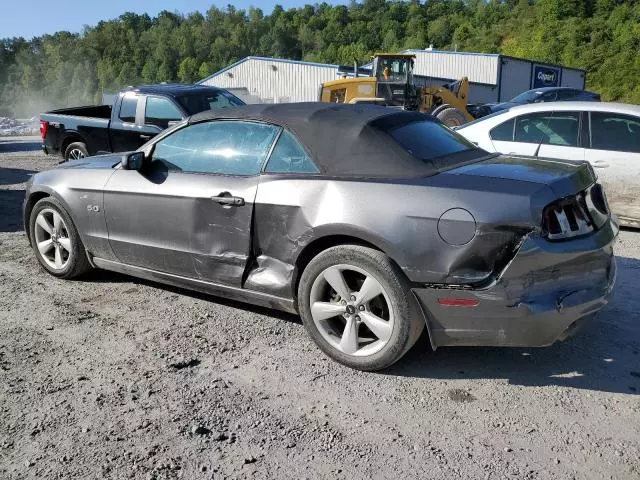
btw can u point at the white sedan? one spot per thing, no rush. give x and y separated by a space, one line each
607 135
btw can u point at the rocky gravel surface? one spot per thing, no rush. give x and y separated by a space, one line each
114 377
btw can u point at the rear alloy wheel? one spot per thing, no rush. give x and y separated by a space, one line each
358 307
76 151
55 240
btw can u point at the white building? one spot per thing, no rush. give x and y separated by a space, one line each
274 80
493 77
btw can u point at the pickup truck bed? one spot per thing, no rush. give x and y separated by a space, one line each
95 111
137 115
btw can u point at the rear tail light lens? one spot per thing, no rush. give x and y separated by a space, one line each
44 127
575 215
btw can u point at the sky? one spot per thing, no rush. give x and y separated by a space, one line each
19 18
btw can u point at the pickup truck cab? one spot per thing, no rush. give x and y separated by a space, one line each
137 115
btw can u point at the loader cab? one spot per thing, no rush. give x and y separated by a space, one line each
388 82
394 80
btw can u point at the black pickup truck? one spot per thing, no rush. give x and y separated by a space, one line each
137 114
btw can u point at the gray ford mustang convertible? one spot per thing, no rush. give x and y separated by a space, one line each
371 223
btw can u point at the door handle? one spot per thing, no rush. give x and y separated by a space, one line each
601 164
225 198
145 137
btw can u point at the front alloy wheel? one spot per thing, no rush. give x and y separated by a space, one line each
56 241
52 239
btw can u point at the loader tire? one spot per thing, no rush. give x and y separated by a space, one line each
452 117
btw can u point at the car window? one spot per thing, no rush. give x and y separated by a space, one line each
615 132
288 156
526 97
547 97
128 109
222 147
391 70
160 111
201 102
429 139
548 128
503 132
567 94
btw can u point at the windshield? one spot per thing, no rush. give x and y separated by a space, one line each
392 70
427 140
526 97
214 100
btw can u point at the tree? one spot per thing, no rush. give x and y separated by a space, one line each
602 36
188 70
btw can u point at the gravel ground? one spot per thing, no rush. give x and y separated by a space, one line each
113 377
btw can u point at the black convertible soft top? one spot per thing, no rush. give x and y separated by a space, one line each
344 139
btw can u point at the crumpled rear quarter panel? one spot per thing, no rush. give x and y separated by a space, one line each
400 218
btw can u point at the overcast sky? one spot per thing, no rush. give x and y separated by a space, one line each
35 17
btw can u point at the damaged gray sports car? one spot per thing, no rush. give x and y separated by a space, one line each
372 223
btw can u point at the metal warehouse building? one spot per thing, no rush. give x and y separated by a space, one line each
493 77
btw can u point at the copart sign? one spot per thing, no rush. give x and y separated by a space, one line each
545 76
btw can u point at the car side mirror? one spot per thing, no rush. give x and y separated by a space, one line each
132 161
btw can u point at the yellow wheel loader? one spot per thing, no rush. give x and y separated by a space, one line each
391 84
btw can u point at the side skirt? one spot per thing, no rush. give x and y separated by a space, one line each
233 293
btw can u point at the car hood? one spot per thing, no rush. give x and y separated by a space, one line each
563 177
98 161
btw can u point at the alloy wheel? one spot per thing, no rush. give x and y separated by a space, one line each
76 154
52 239
351 310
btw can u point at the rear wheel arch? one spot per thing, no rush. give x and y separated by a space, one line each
317 246
69 138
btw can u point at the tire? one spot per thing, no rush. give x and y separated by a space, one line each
452 117
393 314
76 151
63 239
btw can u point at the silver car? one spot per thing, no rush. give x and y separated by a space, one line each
373 224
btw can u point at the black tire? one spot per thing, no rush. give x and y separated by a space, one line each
75 151
452 117
408 321
78 263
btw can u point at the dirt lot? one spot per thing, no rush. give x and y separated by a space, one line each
113 377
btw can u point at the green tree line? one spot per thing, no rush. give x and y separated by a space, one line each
601 36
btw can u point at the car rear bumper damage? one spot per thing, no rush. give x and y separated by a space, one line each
541 296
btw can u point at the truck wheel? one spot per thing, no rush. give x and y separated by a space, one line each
76 151
452 117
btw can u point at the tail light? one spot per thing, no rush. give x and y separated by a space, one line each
44 127
576 215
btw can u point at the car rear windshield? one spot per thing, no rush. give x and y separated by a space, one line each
201 102
428 140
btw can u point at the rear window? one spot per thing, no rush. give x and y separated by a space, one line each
202 102
427 140
128 109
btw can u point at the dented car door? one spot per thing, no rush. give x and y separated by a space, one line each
193 205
